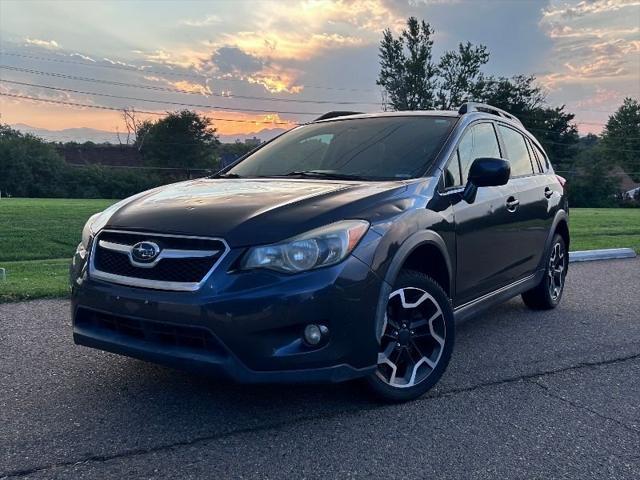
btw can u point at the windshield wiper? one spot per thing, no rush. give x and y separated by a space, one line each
322 174
226 175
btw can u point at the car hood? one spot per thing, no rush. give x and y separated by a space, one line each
251 211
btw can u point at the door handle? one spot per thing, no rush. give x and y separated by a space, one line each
548 192
512 204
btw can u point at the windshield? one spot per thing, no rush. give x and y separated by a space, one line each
368 148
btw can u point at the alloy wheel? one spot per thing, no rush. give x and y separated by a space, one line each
413 338
556 271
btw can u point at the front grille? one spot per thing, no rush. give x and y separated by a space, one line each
159 333
186 270
167 270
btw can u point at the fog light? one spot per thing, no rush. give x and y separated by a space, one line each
313 333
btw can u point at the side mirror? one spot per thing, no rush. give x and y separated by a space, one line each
485 172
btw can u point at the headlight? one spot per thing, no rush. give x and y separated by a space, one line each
88 231
317 248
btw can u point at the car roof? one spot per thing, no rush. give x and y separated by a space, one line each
398 113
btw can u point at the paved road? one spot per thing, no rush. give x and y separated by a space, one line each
527 395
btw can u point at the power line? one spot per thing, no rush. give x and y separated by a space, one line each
129 68
115 109
202 77
191 92
143 69
542 130
174 90
167 102
179 90
77 104
603 147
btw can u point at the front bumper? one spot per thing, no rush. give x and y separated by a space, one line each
246 326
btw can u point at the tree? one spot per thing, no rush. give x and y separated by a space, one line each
523 97
590 181
411 81
136 128
459 72
621 137
182 139
29 167
518 95
406 69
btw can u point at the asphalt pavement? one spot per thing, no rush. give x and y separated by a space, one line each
527 395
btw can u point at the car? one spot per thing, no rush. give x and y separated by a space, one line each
346 248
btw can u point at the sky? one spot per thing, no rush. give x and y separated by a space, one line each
256 66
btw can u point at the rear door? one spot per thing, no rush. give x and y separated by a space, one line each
529 219
485 245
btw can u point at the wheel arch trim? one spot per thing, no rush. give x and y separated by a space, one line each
561 216
416 240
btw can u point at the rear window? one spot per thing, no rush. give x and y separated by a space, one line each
516 151
544 160
374 148
535 159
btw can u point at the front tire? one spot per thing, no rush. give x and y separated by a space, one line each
417 339
548 293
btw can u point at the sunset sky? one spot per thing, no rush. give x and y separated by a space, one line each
270 64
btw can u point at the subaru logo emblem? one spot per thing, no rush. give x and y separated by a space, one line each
145 251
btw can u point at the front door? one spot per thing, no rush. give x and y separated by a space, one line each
485 242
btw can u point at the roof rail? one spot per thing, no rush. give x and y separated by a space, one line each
334 114
469 107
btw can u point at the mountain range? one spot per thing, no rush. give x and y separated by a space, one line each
82 135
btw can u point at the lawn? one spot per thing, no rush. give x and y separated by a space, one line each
38 238
593 228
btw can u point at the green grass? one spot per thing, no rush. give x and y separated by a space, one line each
593 228
43 228
38 238
35 279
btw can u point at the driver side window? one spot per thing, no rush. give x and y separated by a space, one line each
478 141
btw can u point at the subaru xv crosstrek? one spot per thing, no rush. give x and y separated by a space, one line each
345 248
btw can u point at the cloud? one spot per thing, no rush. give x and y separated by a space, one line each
183 85
191 87
289 45
118 62
227 122
276 39
84 57
368 15
556 30
234 63
588 7
181 58
232 60
206 21
48 44
603 97
277 79
593 40
36 92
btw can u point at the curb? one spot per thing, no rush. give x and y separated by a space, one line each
603 254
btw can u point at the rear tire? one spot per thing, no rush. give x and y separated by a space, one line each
417 339
548 293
